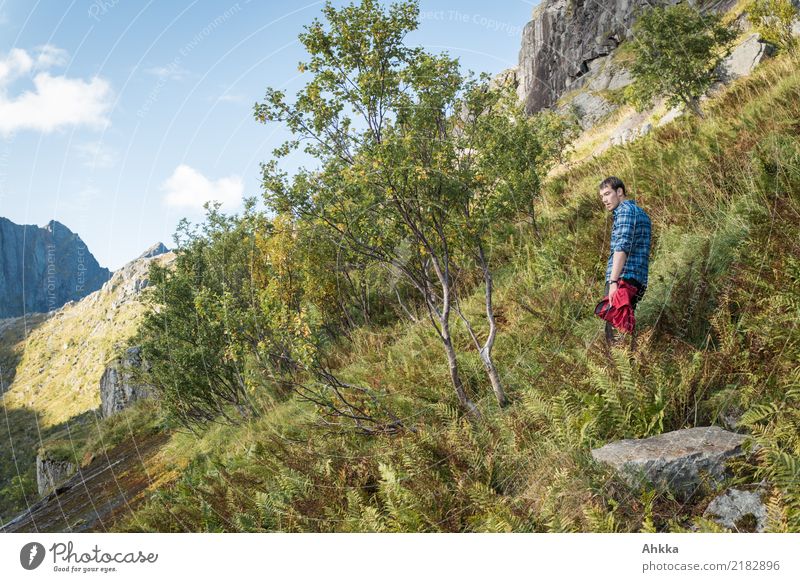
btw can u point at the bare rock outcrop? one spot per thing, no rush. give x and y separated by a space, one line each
154 251
118 386
569 44
744 57
678 461
133 278
50 473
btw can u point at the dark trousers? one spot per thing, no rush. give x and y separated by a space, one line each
612 334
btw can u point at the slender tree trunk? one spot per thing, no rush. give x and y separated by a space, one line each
461 393
536 226
443 274
486 350
494 378
694 105
403 305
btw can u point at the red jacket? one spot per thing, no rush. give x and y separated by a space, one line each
620 311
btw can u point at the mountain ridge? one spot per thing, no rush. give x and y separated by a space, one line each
43 268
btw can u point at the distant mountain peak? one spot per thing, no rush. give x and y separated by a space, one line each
53 224
42 268
155 250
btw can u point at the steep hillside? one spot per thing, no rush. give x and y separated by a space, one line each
51 370
718 347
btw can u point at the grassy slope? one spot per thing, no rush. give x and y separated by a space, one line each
724 197
54 397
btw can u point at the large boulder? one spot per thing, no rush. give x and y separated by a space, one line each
678 461
118 386
50 473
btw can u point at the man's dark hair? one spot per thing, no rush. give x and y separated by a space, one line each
614 182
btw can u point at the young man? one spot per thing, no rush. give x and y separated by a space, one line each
630 246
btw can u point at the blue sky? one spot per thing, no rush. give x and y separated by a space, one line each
118 118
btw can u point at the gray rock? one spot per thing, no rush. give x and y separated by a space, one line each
744 58
505 77
620 77
133 278
630 127
51 473
591 108
610 76
676 460
566 41
730 419
118 388
670 115
41 269
739 510
154 251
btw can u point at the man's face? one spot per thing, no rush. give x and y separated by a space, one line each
611 198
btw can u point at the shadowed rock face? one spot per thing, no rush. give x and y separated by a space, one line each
50 473
41 269
118 390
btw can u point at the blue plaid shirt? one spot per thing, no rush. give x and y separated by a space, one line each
631 233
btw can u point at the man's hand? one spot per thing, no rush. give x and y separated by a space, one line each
612 290
617 268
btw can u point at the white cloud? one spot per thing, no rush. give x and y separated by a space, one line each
188 188
95 154
17 63
171 72
51 56
54 101
231 98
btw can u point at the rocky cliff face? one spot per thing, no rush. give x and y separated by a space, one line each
41 269
569 42
118 387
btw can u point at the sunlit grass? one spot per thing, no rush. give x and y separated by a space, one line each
719 345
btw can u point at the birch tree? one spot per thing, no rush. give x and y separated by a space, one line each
417 164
